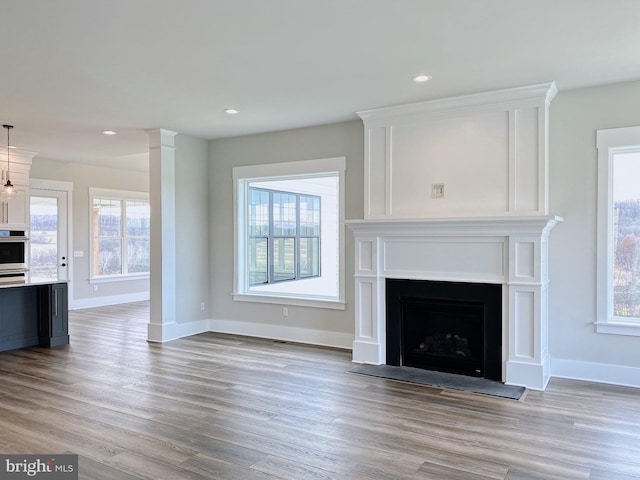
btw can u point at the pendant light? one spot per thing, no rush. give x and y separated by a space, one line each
8 188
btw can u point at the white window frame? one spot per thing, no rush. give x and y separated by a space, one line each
123 196
610 142
242 177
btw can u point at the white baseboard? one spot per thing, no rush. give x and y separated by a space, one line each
107 300
368 352
596 372
534 376
172 331
281 332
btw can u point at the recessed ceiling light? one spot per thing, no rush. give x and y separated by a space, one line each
231 111
109 132
421 78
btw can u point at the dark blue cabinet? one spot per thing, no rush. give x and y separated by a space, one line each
18 317
33 314
53 326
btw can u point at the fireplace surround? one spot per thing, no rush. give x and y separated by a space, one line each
508 251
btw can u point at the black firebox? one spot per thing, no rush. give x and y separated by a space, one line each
446 326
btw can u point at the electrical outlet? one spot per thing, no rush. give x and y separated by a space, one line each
202 306
285 312
95 288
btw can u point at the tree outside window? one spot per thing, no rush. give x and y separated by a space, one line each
626 235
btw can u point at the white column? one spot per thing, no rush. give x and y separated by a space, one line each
369 345
162 196
528 363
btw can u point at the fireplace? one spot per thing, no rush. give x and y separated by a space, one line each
508 254
452 327
457 190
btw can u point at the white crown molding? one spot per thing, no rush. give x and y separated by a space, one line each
539 94
17 156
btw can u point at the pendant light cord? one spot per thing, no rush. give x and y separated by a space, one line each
8 127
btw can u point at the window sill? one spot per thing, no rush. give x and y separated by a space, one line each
290 300
630 329
119 278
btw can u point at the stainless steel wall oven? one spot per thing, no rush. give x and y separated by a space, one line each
13 255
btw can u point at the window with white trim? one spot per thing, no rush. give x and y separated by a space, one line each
618 247
289 239
120 234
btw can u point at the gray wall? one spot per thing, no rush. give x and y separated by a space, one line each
343 139
205 216
575 117
192 232
83 177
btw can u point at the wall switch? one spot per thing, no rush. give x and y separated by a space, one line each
202 306
437 190
285 312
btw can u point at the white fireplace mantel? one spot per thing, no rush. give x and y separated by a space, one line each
508 250
496 225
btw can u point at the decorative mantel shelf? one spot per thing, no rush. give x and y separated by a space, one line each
493 225
507 250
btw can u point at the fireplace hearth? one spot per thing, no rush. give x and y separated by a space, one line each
451 327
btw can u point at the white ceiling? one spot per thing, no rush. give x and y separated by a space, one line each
71 68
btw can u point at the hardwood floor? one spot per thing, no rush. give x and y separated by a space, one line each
225 407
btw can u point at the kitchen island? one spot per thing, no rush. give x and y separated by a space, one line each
33 313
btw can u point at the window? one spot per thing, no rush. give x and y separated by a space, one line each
288 236
619 231
284 236
120 230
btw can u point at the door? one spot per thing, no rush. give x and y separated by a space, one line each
48 243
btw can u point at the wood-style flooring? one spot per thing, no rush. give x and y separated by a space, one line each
226 407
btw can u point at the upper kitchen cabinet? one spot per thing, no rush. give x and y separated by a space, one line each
14 209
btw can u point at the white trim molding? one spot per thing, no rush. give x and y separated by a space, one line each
104 301
610 142
283 333
242 177
280 299
174 330
67 187
487 153
596 372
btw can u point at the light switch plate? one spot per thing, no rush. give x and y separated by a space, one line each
437 190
